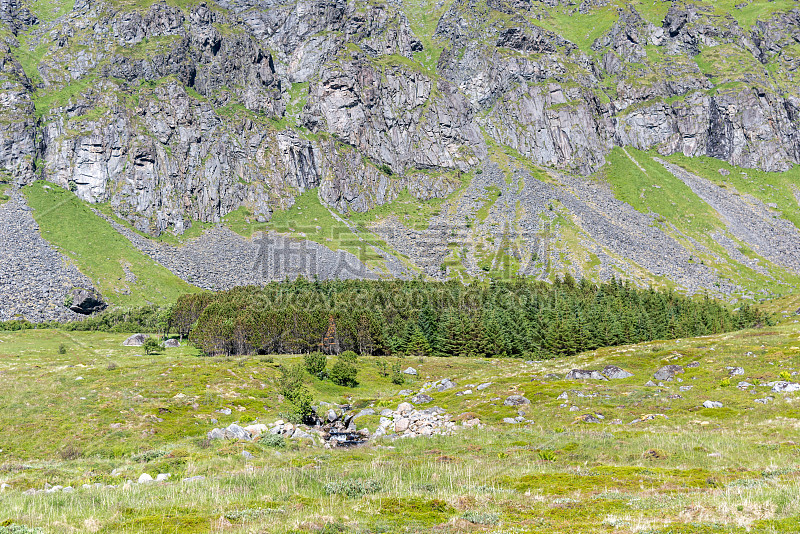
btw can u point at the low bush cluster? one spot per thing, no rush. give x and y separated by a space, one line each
352 488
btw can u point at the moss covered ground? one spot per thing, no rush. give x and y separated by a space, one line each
104 413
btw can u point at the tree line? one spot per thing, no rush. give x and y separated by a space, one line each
517 318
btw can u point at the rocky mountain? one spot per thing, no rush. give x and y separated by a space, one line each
653 140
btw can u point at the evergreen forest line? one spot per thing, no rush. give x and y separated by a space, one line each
519 318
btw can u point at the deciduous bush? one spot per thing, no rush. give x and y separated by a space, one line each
316 363
344 373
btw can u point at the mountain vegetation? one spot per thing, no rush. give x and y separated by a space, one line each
523 319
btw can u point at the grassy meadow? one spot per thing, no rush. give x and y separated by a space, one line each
658 462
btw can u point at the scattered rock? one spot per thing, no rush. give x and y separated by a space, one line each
516 400
588 418
785 387
256 429
667 372
163 477
404 408
233 431
692 365
712 404
483 386
613 372
410 371
422 398
247 455
224 411
733 371
765 400
583 374
401 425
650 384
510 420
445 385
406 392
144 478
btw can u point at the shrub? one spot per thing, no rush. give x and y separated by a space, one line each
151 346
382 368
70 452
111 366
292 388
785 376
62 349
352 488
276 441
315 363
148 456
397 374
349 356
344 374
481 518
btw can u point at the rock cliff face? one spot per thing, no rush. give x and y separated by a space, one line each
174 113
177 112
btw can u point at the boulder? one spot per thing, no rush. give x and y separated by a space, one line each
404 408
785 387
712 404
584 374
234 431
483 386
162 477
144 478
733 371
171 344
667 372
612 372
410 371
301 434
256 430
136 340
421 399
516 400
445 384
85 301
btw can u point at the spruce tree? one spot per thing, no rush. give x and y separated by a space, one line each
418 344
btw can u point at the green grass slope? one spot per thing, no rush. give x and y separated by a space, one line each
103 413
124 275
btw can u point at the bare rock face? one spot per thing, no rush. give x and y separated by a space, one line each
177 114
